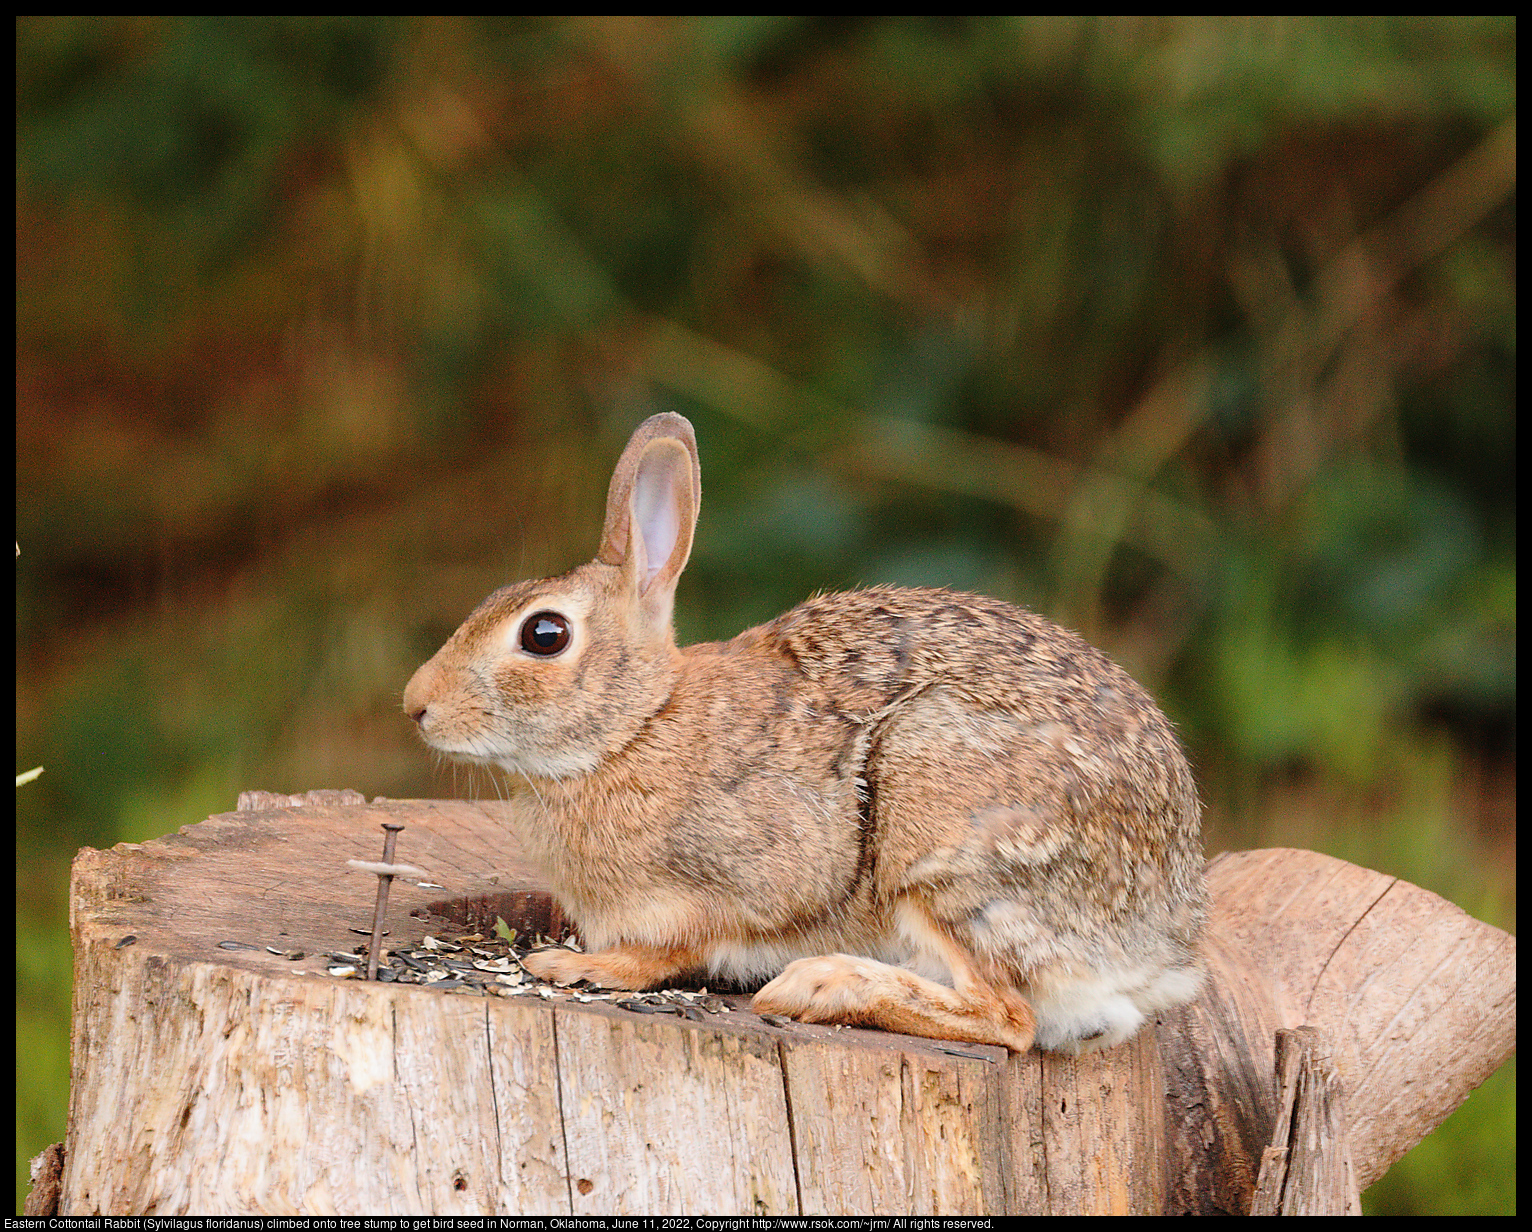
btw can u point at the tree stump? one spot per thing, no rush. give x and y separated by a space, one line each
215 1075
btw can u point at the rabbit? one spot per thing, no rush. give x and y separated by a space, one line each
912 809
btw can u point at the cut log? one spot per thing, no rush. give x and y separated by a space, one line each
212 1078
1417 997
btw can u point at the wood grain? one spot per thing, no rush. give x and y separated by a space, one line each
213 1080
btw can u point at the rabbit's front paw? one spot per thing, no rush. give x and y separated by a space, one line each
622 966
561 966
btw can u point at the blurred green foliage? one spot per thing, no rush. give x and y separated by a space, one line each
1197 334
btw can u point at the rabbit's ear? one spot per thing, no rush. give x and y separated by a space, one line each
651 509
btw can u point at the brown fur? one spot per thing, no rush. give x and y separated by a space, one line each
941 779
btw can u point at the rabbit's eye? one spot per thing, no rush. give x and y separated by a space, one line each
544 633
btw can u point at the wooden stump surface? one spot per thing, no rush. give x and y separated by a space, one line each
209 1079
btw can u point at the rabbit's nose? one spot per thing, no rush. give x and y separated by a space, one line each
417 694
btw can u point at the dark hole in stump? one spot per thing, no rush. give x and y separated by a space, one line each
532 913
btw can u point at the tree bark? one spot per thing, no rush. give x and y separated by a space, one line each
1307 1169
209 1079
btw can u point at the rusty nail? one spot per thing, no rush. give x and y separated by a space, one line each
391 829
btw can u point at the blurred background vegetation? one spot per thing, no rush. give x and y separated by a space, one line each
1195 334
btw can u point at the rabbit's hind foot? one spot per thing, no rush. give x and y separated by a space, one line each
843 988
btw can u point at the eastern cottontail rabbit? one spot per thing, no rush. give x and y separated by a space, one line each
919 810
